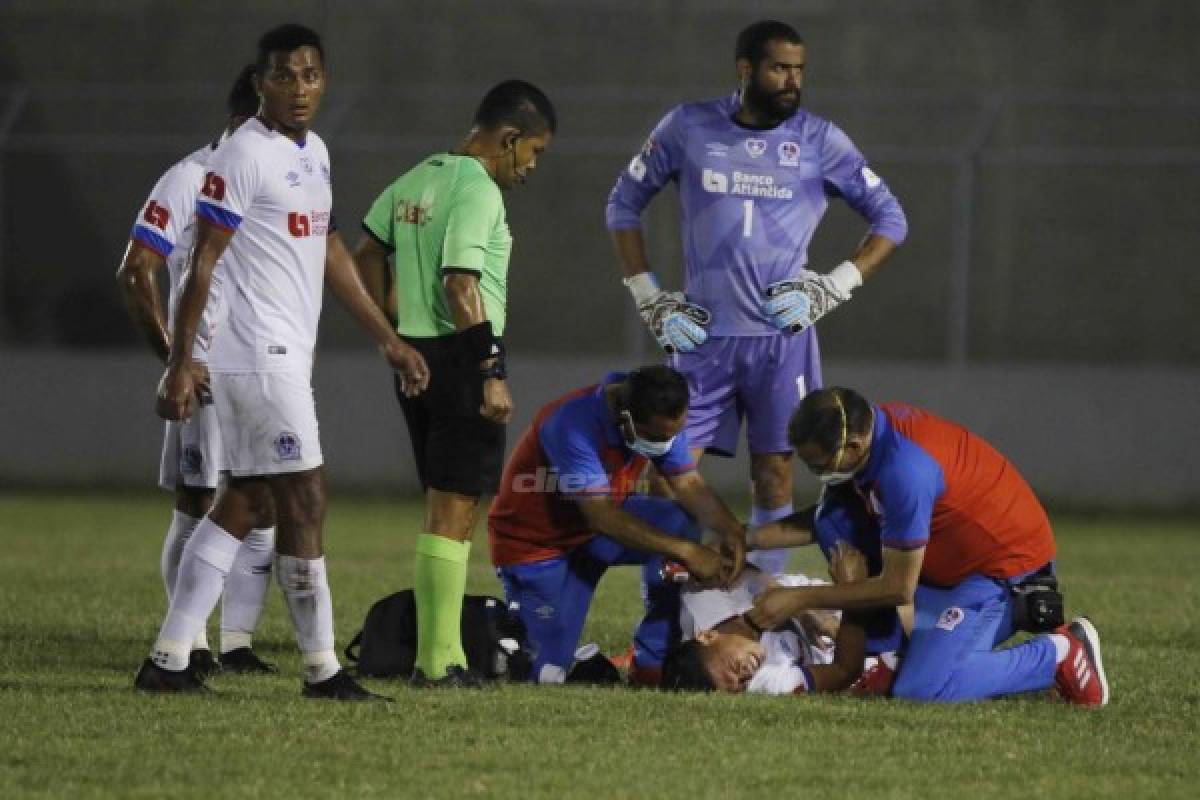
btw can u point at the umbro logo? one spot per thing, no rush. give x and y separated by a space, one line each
756 147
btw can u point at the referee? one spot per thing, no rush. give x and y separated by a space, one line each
443 223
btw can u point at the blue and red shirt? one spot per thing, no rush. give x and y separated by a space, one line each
572 449
932 483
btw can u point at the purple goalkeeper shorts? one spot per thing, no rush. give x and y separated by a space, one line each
760 378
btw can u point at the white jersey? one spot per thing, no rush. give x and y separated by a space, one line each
276 196
787 649
167 226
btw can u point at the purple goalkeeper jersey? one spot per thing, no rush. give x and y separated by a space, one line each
751 200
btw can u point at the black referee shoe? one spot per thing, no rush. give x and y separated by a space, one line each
341 687
456 677
244 661
202 664
153 678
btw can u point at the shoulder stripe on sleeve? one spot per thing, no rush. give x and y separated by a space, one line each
461 271
218 216
385 245
151 240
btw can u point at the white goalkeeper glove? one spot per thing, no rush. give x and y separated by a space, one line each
795 305
676 324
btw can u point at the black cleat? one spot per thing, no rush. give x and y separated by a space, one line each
342 687
153 678
456 677
202 664
243 660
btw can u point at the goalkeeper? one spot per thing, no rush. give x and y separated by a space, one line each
754 172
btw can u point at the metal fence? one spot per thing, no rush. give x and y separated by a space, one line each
1045 225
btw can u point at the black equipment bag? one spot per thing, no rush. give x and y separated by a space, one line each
493 638
1037 603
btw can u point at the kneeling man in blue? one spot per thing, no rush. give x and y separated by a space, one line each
949 525
566 512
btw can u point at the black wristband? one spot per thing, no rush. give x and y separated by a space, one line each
497 369
479 343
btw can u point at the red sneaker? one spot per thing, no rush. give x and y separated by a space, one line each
874 682
1080 677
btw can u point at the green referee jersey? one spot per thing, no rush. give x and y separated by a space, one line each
444 213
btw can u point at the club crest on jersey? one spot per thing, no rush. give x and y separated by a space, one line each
306 164
293 178
287 447
756 147
949 619
191 460
789 154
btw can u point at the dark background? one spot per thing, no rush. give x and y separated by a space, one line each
1047 154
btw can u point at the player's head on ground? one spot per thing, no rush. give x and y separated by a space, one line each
712 661
770 59
242 102
831 433
290 77
651 406
513 125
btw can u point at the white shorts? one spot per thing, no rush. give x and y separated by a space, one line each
268 423
191 453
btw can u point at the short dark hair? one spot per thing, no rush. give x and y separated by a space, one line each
752 41
285 39
517 103
683 669
243 99
827 416
654 391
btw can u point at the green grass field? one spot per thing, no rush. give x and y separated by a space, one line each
80 602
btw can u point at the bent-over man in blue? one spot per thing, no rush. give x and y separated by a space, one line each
755 173
949 525
565 513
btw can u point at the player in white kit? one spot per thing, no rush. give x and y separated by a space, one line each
161 238
724 650
266 210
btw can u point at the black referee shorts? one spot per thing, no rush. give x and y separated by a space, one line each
456 449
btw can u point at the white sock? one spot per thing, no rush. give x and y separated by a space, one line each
772 562
1061 647
306 590
890 660
178 533
246 589
206 561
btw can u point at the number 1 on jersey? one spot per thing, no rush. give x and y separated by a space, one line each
747 218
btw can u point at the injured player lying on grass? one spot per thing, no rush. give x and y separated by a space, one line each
817 651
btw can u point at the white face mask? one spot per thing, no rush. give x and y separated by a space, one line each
641 446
